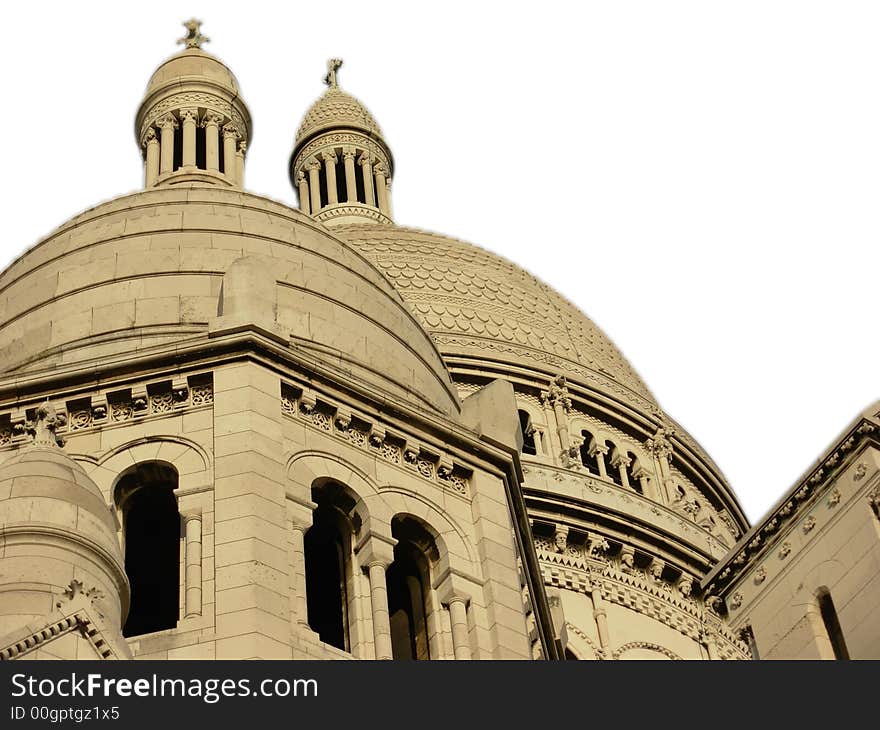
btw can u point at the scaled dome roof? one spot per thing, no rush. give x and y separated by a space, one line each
336 108
472 301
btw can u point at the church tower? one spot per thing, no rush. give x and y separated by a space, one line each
264 453
341 166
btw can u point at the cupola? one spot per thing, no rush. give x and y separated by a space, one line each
193 125
341 166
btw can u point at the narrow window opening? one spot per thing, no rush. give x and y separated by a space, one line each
528 432
151 524
341 195
832 625
326 598
614 471
201 150
632 470
322 184
590 461
221 157
408 581
359 183
178 148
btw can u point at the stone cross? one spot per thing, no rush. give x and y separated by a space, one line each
193 37
332 67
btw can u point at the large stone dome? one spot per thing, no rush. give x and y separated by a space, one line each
335 108
193 64
145 271
474 302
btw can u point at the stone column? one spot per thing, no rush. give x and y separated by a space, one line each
211 124
313 166
388 210
351 193
601 616
458 618
189 118
621 462
598 452
303 187
167 125
381 189
151 169
239 163
366 164
379 600
230 139
298 573
329 158
193 563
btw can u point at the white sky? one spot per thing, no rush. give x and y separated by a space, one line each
701 178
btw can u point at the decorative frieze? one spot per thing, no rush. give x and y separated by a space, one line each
112 407
372 436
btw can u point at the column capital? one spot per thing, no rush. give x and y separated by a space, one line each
194 513
311 164
365 158
328 156
230 129
242 146
151 136
189 114
212 118
348 154
380 169
373 549
300 177
169 120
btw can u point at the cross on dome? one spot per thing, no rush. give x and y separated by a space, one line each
332 67
193 37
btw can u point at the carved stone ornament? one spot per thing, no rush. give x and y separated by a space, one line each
760 575
193 37
46 422
784 551
557 392
834 498
736 601
627 558
860 472
809 523
685 585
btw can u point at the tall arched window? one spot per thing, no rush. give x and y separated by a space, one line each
633 472
528 433
151 528
327 546
589 458
832 624
409 582
613 468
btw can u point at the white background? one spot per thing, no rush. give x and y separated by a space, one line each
701 178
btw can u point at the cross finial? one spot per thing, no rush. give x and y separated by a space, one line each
332 67
193 37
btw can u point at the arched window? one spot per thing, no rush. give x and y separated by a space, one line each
327 546
151 528
832 624
528 433
613 468
633 472
589 458
409 582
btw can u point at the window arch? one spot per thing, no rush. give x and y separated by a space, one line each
589 456
152 534
409 589
614 471
634 471
528 432
327 546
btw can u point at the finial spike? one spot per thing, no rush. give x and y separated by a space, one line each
193 37
332 67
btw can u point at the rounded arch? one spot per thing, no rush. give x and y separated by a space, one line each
189 459
645 647
448 534
308 469
581 645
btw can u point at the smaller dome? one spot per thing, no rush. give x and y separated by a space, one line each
336 109
190 65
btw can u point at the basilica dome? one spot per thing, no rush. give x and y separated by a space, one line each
193 64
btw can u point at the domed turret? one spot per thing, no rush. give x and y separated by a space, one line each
56 529
341 166
193 102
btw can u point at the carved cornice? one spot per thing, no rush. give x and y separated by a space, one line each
351 209
764 535
369 434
